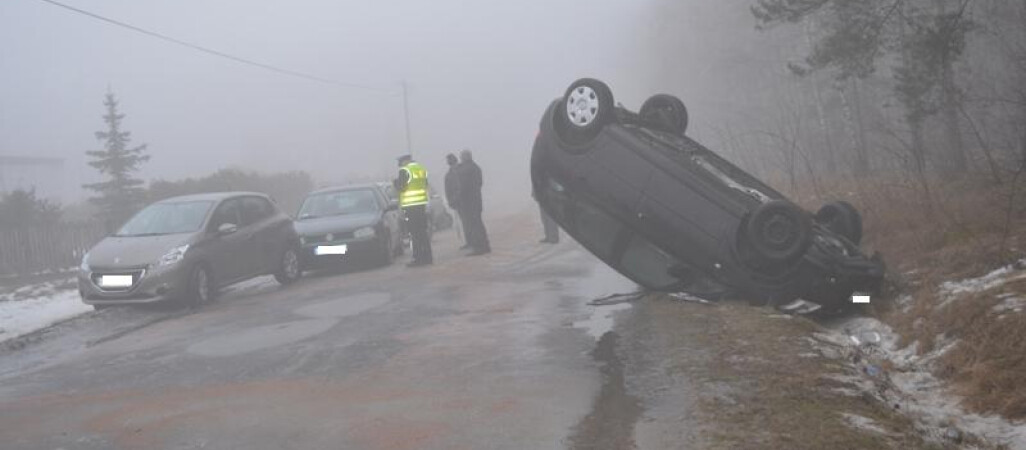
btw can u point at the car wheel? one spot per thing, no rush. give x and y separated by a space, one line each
778 232
289 270
201 287
841 218
587 107
100 307
665 112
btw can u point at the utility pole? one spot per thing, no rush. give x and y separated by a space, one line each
406 115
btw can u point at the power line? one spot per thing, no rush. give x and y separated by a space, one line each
217 53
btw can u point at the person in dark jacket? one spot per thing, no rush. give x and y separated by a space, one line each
470 182
452 195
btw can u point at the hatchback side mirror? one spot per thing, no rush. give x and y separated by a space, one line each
392 206
227 228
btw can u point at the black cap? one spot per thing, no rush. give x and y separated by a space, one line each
404 157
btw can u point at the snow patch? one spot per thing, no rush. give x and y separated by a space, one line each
863 423
20 317
951 290
601 319
871 345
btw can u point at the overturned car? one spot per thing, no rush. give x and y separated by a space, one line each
672 215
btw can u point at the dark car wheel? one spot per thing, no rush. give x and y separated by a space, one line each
200 290
778 232
587 107
289 269
665 112
841 218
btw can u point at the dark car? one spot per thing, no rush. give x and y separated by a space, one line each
671 214
185 248
350 224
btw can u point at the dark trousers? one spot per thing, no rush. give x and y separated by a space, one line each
474 230
417 224
551 228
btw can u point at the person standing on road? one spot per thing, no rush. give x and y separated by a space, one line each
470 182
412 185
452 195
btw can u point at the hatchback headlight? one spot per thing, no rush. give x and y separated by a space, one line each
364 232
174 255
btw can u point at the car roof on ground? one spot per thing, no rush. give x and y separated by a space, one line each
210 196
348 187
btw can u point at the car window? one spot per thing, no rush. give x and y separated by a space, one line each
228 212
336 203
167 218
649 265
255 209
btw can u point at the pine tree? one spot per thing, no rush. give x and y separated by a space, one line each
120 195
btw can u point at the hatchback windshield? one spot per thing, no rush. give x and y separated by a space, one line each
335 203
167 218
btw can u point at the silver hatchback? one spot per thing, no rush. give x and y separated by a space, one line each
186 248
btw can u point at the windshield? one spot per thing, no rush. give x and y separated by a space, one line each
337 203
167 218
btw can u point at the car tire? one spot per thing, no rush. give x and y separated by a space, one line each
100 307
778 232
587 106
666 113
841 218
201 288
289 267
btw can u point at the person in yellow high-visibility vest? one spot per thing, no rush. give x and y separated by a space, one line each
412 185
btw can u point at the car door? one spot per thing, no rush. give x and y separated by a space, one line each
227 251
616 174
264 227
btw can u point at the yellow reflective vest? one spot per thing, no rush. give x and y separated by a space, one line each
416 192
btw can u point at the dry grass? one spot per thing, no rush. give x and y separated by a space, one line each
951 230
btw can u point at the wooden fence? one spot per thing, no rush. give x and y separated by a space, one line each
52 247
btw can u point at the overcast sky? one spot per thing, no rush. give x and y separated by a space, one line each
479 75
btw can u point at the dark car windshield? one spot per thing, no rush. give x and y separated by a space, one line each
167 218
335 203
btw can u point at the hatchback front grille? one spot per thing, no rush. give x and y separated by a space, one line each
322 238
98 274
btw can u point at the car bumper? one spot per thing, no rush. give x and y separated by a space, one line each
153 285
357 250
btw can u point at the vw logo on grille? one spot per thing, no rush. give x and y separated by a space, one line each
329 237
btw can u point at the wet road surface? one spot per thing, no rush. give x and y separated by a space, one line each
500 351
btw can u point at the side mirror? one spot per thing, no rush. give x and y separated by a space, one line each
392 206
227 228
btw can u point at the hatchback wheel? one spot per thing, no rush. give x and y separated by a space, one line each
841 218
778 232
201 287
587 107
289 270
665 112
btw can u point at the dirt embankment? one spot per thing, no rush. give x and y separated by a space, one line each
730 376
954 250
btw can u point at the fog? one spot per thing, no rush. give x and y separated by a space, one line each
478 74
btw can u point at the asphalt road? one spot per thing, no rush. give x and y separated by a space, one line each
495 352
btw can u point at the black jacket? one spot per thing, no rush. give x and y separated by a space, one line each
452 187
470 180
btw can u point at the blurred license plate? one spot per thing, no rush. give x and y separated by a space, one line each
330 250
115 281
